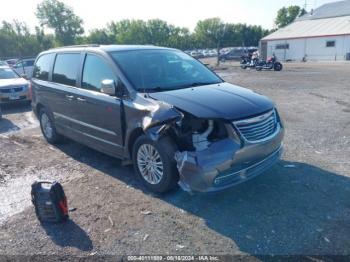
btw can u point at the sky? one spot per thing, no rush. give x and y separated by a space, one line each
184 13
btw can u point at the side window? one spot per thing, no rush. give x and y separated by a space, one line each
28 63
66 69
43 66
18 65
282 46
330 44
95 71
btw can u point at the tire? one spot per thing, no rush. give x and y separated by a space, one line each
45 118
277 66
166 150
258 68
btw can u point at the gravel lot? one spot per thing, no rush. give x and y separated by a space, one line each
301 206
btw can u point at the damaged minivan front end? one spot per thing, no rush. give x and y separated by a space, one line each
228 161
215 154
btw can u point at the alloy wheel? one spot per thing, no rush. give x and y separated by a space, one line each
46 125
150 164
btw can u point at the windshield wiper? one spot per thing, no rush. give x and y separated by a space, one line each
159 88
154 89
194 84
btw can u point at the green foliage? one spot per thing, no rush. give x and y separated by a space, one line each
99 36
61 18
45 41
17 40
214 33
151 32
210 32
243 35
287 15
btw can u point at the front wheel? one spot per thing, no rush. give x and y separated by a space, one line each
48 128
277 66
154 163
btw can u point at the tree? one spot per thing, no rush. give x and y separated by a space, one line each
129 32
61 18
151 32
99 36
181 38
211 33
287 15
16 40
45 41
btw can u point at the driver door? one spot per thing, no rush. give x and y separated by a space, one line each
98 115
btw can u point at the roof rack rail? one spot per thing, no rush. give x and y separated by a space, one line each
72 46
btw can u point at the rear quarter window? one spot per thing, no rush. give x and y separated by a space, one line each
43 66
66 69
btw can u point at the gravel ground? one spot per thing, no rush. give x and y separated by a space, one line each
300 206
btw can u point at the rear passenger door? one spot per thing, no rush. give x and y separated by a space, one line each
98 115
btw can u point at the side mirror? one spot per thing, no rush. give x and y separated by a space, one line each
24 76
108 87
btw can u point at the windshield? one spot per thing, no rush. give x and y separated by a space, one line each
7 73
159 70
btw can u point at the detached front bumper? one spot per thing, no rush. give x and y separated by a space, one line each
227 162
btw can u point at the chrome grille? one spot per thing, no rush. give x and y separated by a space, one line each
11 90
259 127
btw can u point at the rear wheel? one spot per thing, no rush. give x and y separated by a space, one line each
48 128
154 163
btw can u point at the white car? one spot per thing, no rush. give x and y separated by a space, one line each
13 88
3 63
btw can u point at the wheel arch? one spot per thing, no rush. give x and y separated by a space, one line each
134 135
38 107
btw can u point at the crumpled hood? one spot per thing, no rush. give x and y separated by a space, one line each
13 82
221 101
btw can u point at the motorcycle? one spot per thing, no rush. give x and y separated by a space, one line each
248 62
269 64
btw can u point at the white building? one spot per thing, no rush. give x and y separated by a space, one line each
322 34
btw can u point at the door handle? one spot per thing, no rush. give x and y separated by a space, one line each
69 97
81 99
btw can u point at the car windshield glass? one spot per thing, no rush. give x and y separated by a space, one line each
7 73
161 70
